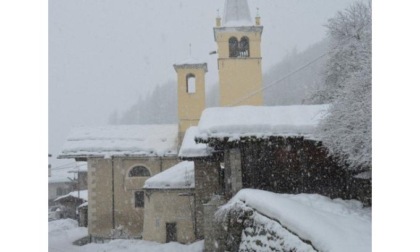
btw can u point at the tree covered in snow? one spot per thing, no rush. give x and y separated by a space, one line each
348 87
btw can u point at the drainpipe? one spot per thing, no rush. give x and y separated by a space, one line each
113 196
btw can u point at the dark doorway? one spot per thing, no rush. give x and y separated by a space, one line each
170 232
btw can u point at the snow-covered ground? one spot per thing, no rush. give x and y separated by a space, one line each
61 234
330 225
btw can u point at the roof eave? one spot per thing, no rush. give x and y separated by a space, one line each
85 157
223 29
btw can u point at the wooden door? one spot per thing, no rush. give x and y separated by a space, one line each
170 232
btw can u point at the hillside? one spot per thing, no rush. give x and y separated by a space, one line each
161 105
297 88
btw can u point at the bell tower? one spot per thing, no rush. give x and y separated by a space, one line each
239 62
191 94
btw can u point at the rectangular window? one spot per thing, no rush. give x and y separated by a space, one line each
139 199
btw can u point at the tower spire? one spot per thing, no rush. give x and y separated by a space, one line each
218 19
239 55
237 13
258 18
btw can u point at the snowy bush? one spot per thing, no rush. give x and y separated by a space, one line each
347 131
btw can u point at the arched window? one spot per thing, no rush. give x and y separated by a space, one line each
233 47
139 171
190 83
244 47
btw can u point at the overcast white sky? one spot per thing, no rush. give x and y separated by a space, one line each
103 54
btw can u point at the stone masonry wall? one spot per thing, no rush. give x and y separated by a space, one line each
206 185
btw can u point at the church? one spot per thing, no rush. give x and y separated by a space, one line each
164 182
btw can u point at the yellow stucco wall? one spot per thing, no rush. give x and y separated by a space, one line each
125 214
190 105
242 76
168 206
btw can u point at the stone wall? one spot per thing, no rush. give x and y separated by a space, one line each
169 206
214 232
207 184
297 165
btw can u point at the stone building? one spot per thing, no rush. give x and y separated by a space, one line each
70 202
57 187
62 184
273 153
169 213
120 159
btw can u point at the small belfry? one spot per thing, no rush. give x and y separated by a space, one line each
191 93
239 48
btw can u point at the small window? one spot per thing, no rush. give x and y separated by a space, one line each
139 199
139 171
190 83
233 47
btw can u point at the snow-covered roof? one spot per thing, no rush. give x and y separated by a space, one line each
260 121
83 194
191 149
330 225
191 63
236 13
121 140
364 175
83 204
178 176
